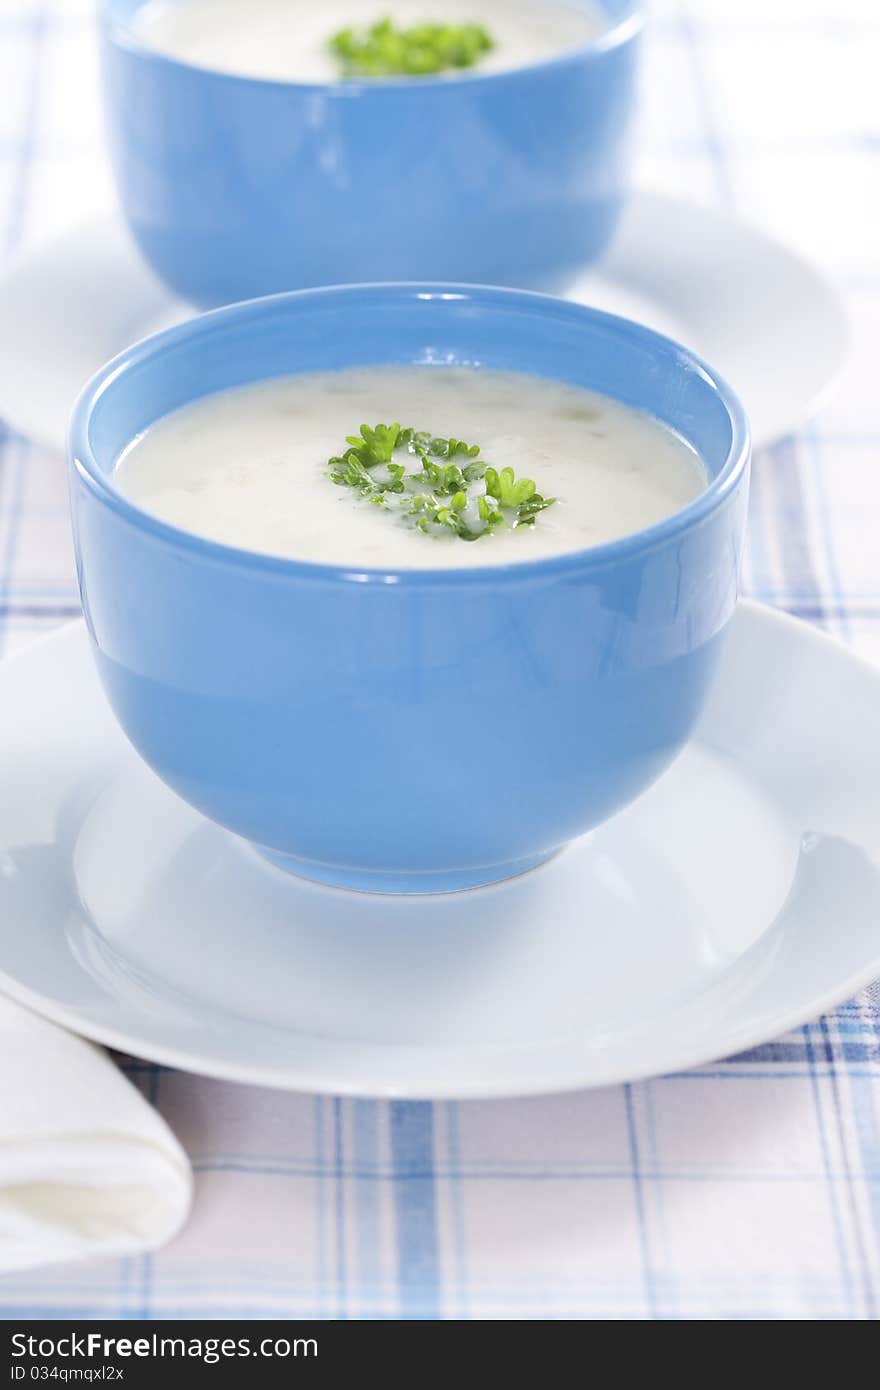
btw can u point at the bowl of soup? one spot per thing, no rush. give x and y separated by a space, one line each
251 155
408 586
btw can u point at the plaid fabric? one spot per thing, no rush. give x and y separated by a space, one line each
749 1189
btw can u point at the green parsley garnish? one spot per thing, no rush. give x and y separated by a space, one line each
385 51
443 487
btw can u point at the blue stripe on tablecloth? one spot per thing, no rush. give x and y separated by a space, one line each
869 1307
319 1174
340 1244
519 1171
830 1184
149 1083
666 1280
459 1271
59 612
868 1136
791 508
415 1208
798 1052
640 1204
498 1170
366 1159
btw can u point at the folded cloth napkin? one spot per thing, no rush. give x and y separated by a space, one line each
87 1167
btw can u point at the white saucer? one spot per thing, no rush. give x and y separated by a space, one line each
738 898
763 317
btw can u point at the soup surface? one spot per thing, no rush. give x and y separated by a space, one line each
249 466
287 40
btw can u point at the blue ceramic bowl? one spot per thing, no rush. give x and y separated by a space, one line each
416 730
235 187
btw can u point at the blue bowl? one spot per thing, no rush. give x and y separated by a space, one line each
235 187
408 731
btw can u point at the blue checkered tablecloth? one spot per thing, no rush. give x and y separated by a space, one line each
749 1189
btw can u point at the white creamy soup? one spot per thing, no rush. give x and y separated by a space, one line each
287 40
250 467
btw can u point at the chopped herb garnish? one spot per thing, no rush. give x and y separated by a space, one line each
443 488
385 51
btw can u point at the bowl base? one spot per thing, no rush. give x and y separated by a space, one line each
387 881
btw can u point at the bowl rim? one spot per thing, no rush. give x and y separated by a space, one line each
98 482
617 33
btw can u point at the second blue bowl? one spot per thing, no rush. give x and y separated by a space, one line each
235 187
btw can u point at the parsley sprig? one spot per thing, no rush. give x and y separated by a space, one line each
383 50
444 488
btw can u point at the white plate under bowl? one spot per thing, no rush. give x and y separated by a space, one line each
739 897
764 318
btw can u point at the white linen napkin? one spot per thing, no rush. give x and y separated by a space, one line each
87 1167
